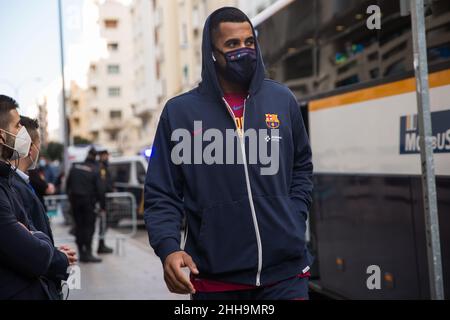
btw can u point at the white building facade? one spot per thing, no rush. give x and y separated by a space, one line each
111 94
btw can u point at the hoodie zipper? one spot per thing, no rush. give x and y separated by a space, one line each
249 189
186 233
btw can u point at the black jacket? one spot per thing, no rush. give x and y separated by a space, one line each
39 184
107 181
84 180
37 215
34 209
24 256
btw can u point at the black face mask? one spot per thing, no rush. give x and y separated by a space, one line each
240 65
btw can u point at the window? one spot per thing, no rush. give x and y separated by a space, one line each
114 91
113 69
396 67
373 56
400 48
113 46
186 73
111 23
120 172
158 70
183 35
115 115
75 106
375 73
347 81
113 135
299 65
439 53
94 90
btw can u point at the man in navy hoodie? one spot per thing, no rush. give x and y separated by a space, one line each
245 235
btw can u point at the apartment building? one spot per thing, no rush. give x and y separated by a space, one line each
111 92
78 114
177 35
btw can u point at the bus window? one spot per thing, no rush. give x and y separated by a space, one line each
439 53
438 33
305 115
140 172
299 65
120 172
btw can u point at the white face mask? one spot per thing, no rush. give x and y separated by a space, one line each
22 144
35 161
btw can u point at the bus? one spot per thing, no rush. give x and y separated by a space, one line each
356 89
128 175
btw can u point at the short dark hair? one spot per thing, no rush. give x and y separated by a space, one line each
226 14
92 152
6 105
32 126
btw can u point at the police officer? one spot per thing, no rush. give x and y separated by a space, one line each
107 187
85 188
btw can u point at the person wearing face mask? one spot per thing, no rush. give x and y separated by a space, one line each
245 234
26 164
85 189
47 170
25 253
37 214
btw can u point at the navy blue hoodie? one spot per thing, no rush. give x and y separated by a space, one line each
242 227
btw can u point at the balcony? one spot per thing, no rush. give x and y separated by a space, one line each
144 110
95 125
114 124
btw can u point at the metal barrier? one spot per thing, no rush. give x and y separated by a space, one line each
119 205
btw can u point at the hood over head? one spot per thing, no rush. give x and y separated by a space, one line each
210 83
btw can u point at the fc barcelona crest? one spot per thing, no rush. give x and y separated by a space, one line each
272 121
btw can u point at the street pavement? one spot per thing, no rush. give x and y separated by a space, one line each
132 273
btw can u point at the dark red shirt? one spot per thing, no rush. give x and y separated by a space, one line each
236 103
207 285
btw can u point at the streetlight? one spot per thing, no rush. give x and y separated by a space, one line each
63 87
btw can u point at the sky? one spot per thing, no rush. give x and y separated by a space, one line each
30 65
29 48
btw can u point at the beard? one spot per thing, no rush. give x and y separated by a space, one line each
7 151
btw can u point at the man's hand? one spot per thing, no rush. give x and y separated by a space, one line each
70 254
50 189
176 280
